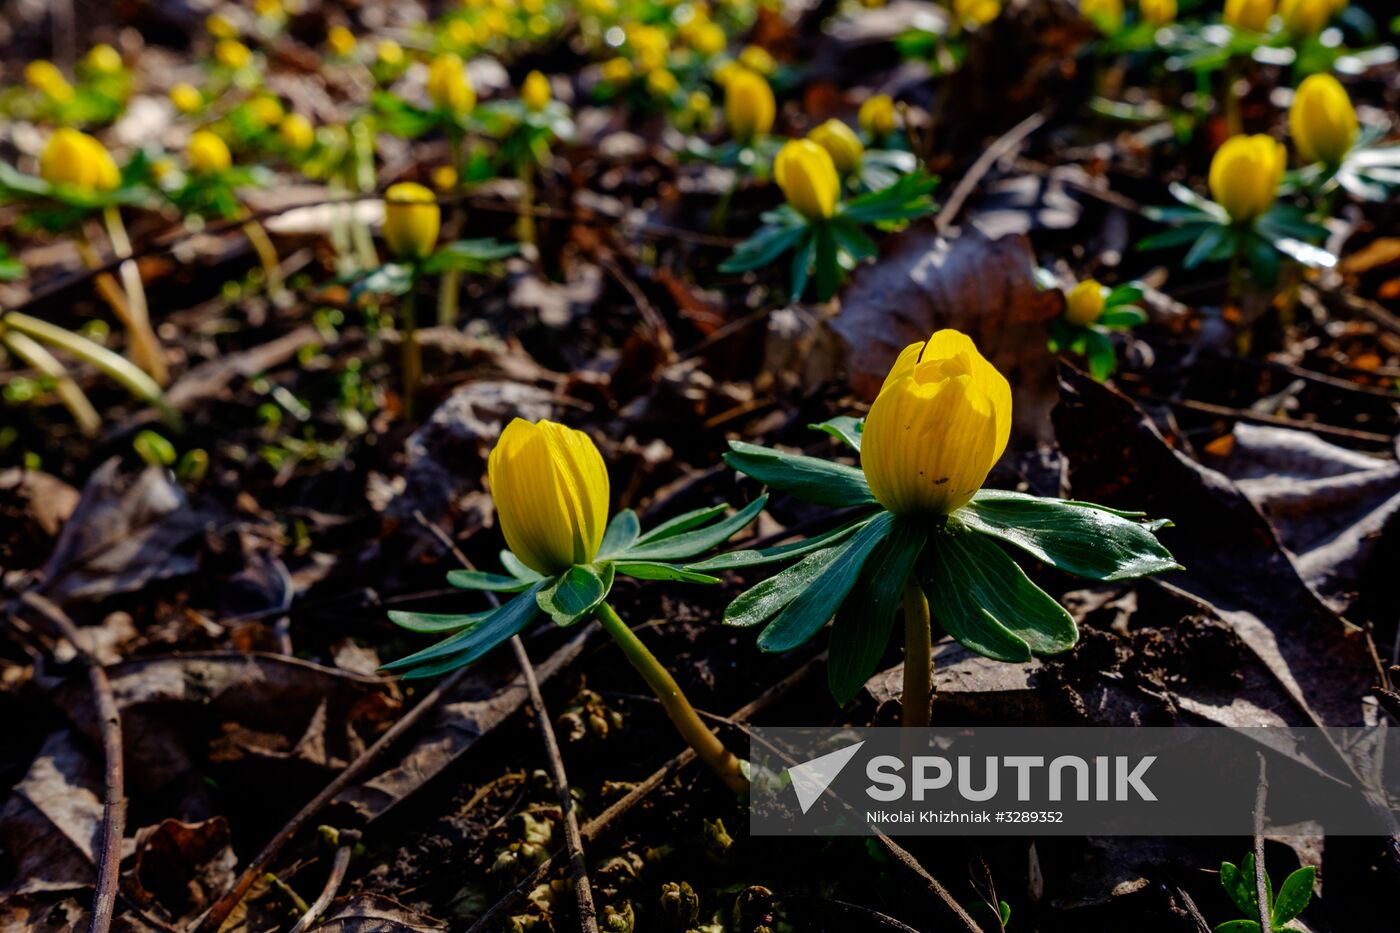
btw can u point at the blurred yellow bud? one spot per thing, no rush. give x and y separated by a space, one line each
389 53
938 426
44 77
1245 175
649 47
296 132
756 58
661 83
448 86
749 107
808 178
341 41
266 110
1322 120
1084 303
1106 15
208 154
186 98
444 178
1157 12
102 59
1249 15
550 487
1305 18
220 26
841 143
877 116
616 70
411 220
269 9
976 12
232 54
535 93
74 158
708 39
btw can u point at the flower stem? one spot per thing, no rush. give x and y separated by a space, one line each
451 285
1234 123
412 354
699 736
267 256
525 223
918 657
145 346
72 397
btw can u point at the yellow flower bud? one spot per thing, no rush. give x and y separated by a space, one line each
841 143
76 159
44 77
208 154
1084 302
1249 15
186 98
661 83
296 132
444 178
1322 120
749 107
976 12
266 110
341 41
1157 12
1245 175
1305 18
550 487
616 70
877 116
411 220
535 92
104 60
756 58
939 424
1106 15
269 9
232 54
698 104
389 53
708 39
808 178
220 27
448 86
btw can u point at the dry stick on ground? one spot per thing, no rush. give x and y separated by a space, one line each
1261 876
993 154
583 891
109 851
339 867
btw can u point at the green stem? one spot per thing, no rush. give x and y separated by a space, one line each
412 353
687 722
1234 286
525 226
1234 123
918 657
451 284
72 397
267 257
145 346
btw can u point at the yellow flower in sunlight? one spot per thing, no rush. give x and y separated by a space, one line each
232 54
102 59
74 158
756 58
661 83
1245 175
616 70
550 487
841 143
708 39
341 41
1157 12
186 98
807 175
1084 302
220 26
411 220
1249 15
444 178
976 12
389 53
649 46
1305 18
296 132
44 77
749 107
1322 120
266 110
208 154
876 116
1106 15
535 92
269 9
449 88
939 424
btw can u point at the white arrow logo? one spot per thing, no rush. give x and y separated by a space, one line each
811 778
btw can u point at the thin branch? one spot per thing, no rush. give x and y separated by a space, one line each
994 153
339 867
1261 876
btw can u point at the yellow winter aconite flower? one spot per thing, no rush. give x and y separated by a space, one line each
103 59
749 107
448 85
340 41
939 424
876 116
232 54
708 39
186 98
841 143
807 175
616 70
296 132
389 53
1106 15
535 92
411 220
550 487
220 26
1245 175
1084 302
1304 18
444 178
976 12
1249 15
756 58
266 110
1157 12
44 77
1322 120
661 83
74 158
208 154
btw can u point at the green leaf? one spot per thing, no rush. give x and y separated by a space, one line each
753 558
434 622
904 200
1263 260
844 428
468 255
984 600
621 534
810 479
576 592
468 645
818 601
1293 896
862 627
853 240
828 269
657 570
1239 888
516 568
1076 538
764 600
1206 244
1098 349
1238 926
763 248
685 522
802 261
1123 295
392 278
1122 317
695 542
1177 236
481 580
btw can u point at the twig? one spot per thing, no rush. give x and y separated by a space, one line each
1261 877
993 154
339 867
109 849
1239 414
